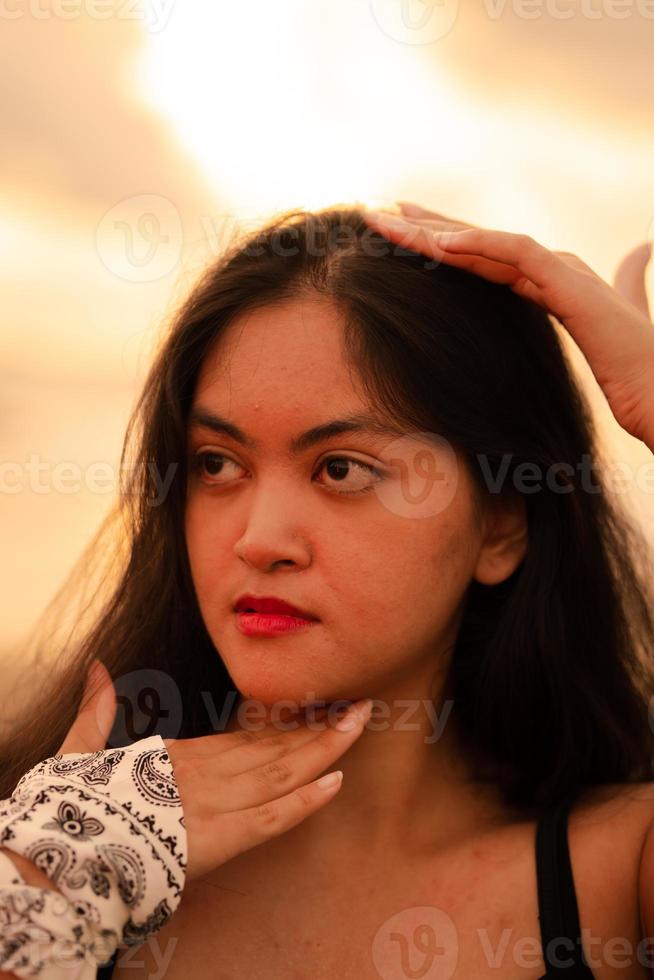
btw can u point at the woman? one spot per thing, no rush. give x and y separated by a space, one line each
493 611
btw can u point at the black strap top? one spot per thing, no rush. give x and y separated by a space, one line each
557 901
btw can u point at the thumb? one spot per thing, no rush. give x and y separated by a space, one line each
90 730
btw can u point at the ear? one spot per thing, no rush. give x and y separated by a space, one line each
504 539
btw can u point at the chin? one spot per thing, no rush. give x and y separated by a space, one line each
286 694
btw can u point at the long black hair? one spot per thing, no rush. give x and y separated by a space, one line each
551 674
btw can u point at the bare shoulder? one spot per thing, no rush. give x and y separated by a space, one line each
630 814
608 825
612 856
615 801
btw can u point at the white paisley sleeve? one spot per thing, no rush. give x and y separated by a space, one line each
107 828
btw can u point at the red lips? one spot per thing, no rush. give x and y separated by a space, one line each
270 604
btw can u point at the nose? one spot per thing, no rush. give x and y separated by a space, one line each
272 537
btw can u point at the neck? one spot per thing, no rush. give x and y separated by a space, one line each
405 787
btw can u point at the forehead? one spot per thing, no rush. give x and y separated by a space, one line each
290 351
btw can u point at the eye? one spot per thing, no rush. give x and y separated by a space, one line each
215 463
342 470
341 467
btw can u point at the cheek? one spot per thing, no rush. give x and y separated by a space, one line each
399 580
205 553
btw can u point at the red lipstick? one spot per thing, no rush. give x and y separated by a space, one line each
270 616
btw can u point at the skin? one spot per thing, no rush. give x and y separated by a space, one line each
386 770
387 579
612 326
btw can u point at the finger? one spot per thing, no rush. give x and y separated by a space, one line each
410 210
420 237
256 731
519 251
235 831
267 820
433 224
270 780
90 730
629 278
410 234
250 754
487 268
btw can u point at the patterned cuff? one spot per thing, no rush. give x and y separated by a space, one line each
42 935
108 829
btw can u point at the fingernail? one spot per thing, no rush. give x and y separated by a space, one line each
364 708
331 779
349 721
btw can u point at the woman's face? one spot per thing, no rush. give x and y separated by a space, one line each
384 570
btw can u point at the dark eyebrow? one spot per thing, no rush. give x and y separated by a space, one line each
361 422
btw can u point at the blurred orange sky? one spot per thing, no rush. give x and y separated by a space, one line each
136 138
